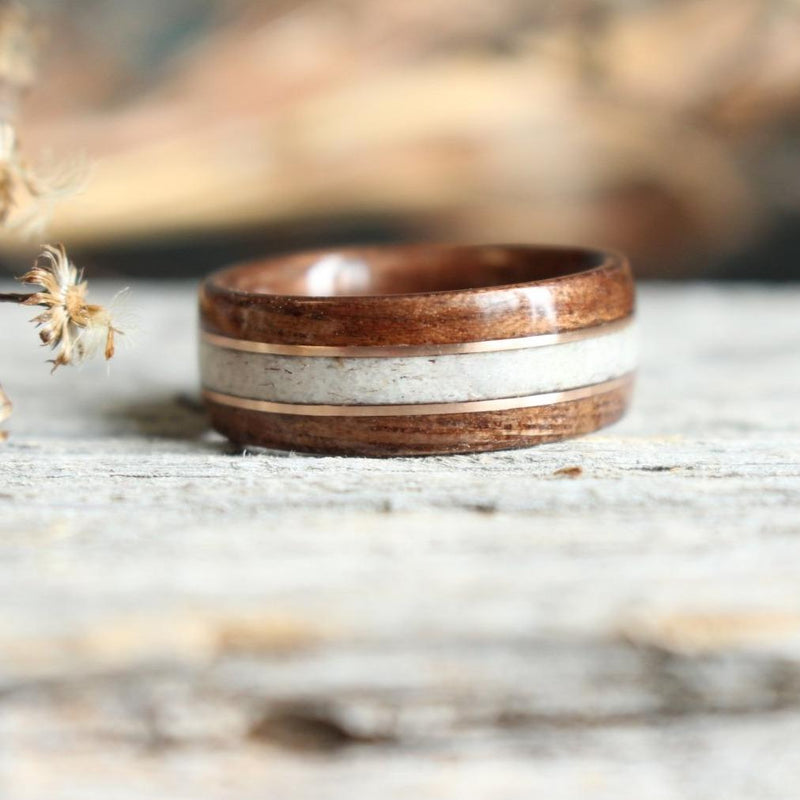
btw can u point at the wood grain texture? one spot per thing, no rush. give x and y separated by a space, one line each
609 617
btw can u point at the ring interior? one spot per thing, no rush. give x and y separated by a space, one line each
358 272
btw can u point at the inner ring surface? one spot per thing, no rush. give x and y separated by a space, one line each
409 270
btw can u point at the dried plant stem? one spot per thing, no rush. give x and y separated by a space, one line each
21 298
14 297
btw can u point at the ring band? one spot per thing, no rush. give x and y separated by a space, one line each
418 350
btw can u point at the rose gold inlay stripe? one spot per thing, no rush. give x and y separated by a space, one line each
365 351
419 409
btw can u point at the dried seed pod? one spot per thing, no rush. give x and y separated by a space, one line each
74 328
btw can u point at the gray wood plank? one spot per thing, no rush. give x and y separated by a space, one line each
181 619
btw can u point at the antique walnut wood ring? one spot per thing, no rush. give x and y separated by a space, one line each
415 350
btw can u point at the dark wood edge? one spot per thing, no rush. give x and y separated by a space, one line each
425 435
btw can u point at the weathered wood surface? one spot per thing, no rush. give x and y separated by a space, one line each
180 620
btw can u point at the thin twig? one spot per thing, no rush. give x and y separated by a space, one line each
14 297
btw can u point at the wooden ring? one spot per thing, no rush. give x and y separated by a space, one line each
415 350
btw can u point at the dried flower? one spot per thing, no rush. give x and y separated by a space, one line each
42 188
5 411
18 45
71 326
46 186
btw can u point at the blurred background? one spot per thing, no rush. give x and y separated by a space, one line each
219 129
